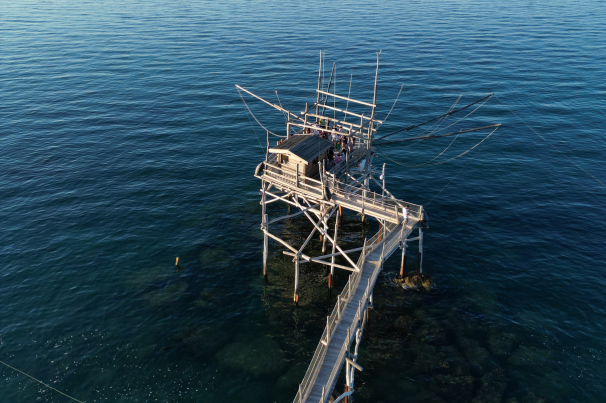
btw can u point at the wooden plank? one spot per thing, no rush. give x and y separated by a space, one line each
346 99
352 114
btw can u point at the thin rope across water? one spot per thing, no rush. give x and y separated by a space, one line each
441 162
552 146
394 104
39 381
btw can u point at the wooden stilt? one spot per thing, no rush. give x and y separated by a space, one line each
334 244
265 229
403 265
420 262
296 296
325 225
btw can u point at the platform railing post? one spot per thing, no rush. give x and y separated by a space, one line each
297 176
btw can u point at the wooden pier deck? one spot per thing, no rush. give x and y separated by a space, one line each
349 317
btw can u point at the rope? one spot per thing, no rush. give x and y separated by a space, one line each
552 146
438 117
453 178
394 104
256 135
441 162
348 94
48 386
280 102
433 129
466 116
462 154
249 111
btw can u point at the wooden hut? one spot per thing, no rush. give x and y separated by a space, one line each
303 150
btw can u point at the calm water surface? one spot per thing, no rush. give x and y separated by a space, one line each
124 144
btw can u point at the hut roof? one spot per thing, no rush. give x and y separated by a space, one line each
304 146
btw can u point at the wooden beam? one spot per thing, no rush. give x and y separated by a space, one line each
269 103
352 114
307 259
275 238
331 240
347 99
290 215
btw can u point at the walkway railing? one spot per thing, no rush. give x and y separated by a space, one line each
363 198
334 318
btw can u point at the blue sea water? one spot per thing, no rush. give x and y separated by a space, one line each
124 143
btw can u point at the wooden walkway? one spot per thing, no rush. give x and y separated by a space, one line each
350 319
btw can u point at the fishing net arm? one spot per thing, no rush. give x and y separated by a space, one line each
452 112
269 103
432 136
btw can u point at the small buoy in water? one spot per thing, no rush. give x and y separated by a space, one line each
177 267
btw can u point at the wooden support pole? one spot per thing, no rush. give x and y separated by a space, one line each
296 296
420 262
325 225
383 179
265 230
403 264
267 150
319 84
334 244
326 235
297 177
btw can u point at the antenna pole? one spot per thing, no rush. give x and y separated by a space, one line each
319 83
328 89
267 150
370 123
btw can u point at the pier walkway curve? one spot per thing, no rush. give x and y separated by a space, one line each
348 318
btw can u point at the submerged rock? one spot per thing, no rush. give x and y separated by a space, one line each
453 388
431 333
206 298
215 257
166 295
532 398
491 388
261 355
529 356
203 339
501 344
411 280
292 377
472 350
425 397
149 275
404 323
